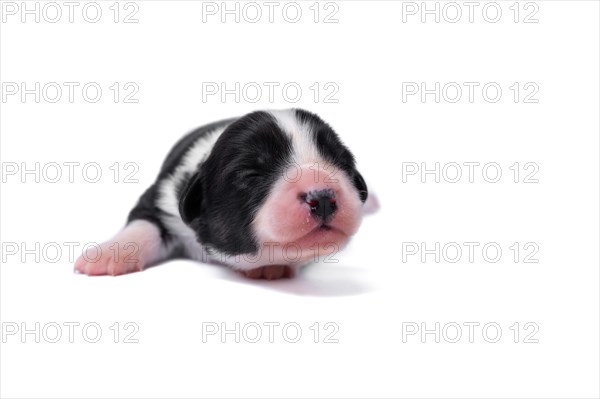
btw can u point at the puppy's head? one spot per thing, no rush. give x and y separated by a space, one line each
278 179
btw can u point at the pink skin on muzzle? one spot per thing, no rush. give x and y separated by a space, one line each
286 219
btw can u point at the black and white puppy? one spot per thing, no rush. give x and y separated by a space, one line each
265 194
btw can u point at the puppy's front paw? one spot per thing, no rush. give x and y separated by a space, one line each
138 245
269 272
113 258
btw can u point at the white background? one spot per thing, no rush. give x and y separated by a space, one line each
371 293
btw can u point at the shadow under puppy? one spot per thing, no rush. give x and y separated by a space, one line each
265 194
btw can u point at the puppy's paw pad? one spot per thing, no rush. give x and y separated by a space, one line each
269 272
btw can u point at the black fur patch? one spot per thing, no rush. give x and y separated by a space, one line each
146 208
221 200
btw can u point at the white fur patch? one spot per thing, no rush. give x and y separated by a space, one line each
305 150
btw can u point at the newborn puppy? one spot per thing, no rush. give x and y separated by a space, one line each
265 194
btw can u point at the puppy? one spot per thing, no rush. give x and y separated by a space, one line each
265 194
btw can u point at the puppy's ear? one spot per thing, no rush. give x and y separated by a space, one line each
361 186
190 201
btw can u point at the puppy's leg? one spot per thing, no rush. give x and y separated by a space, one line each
139 245
134 248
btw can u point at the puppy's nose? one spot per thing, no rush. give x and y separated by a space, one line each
322 203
